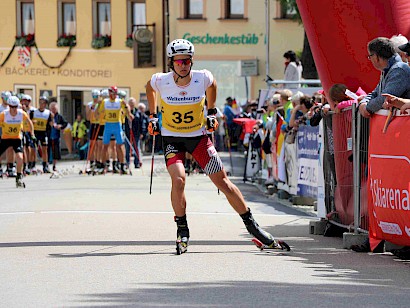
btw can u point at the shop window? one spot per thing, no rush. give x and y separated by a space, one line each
102 18
137 14
67 18
284 11
25 18
234 9
101 24
193 9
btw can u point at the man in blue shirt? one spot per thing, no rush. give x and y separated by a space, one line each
59 123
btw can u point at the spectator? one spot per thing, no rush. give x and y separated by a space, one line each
299 111
142 109
59 124
406 49
139 129
394 101
284 101
337 94
394 79
231 112
399 40
293 69
79 132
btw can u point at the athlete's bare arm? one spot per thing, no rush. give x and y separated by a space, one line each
211 95
151 97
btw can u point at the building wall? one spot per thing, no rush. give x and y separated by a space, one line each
284 35
86 68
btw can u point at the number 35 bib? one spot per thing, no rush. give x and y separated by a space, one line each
183 118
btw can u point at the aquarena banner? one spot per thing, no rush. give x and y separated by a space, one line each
308 159
389 179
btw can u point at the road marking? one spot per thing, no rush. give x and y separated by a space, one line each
141 213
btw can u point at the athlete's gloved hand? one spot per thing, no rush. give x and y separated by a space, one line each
211 121
153 125
33 138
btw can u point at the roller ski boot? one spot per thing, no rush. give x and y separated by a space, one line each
182 234
27 170
11 171
262 239
1 172
115 167
19 181
100 168
45 168
123 170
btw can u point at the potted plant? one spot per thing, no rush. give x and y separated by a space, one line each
66 40
25 40
101 41
128 41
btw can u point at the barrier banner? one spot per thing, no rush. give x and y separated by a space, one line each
252 161
308 157
389 180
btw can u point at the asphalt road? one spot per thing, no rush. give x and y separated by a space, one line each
84 241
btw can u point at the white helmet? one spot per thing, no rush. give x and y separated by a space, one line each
95 92
26 97
180 47
122 94
13 101
104 93
5 95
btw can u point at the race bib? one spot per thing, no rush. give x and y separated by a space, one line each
11 131
40 124
183 118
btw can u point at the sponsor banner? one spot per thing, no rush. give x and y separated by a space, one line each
389 180
252 162
308 160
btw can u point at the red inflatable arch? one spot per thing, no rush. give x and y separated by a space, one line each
339 30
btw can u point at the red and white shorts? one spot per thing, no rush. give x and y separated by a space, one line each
201 148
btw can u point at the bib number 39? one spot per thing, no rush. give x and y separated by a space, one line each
186 117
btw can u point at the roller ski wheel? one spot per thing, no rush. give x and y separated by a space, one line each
181 246
280 245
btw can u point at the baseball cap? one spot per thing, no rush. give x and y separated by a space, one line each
405 48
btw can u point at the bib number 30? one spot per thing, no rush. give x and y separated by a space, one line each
186 117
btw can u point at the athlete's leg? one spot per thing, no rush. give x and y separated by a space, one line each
178 177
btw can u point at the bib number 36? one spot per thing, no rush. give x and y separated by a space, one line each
186 117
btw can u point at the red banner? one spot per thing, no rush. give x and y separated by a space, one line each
389 180
344 33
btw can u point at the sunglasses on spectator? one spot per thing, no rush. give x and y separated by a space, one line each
370 56
181 62
13 106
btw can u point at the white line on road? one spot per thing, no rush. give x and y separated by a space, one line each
141 213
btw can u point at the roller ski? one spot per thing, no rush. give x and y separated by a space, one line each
281 245
19 181
262 239
182 235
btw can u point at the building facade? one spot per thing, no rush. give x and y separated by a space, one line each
65 48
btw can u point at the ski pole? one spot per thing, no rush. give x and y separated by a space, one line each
91 147
152 163
228 144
